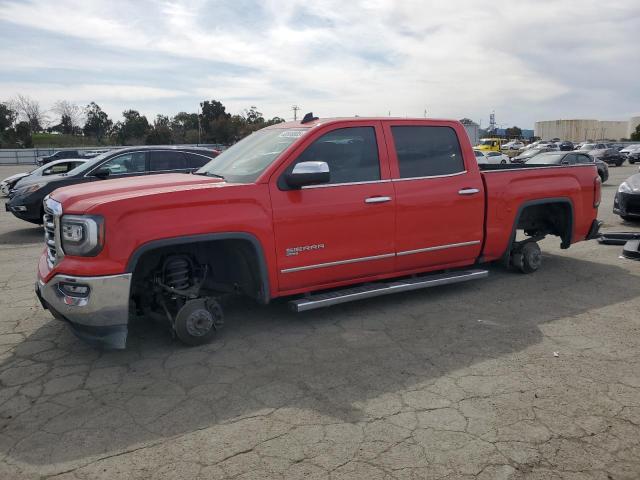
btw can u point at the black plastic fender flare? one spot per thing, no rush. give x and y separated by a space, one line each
566 242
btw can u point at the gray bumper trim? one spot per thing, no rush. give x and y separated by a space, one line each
107 303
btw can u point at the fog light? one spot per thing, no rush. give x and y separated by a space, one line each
74 289
19 208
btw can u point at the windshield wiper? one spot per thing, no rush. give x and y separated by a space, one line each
208 174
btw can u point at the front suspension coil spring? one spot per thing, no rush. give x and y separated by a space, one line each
177 272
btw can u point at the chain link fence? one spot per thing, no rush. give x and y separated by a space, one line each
29 156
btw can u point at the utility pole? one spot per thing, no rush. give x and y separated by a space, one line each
295 109
425 113
199 125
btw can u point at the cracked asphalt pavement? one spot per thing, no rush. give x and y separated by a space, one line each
455 382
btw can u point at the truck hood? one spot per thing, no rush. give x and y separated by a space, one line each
83 197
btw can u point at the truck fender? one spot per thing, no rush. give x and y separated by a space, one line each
208 237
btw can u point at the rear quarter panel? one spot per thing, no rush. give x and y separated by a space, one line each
508 190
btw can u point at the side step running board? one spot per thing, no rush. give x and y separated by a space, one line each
336 297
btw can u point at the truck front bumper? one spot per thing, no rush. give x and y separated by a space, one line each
97 314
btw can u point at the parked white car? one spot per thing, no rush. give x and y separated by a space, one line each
485 157
513 145
51 168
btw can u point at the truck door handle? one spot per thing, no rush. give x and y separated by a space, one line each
377 199
468 191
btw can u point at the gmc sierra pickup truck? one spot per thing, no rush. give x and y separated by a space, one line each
323 211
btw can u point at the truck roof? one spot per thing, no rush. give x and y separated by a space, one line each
328 120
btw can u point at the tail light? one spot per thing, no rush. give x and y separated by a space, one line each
597 191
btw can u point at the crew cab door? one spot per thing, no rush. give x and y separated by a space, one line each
343 229
439 198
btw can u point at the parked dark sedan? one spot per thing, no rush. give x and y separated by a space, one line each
566 146
602 151
27 196
60 155
570 158
627 200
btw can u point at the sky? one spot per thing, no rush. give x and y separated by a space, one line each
527 60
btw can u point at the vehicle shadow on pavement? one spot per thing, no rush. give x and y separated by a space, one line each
62 401
22 236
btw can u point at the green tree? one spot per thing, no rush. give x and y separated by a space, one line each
161 133
133 129
66 124
212 110
213 121
184 127
23 134
252 116
635 136
274 121
513 132
7 117
98 123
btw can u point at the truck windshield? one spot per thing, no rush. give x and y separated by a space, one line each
247 159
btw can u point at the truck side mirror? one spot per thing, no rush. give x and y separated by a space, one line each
308 173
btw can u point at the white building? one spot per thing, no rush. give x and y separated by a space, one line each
472 129
579 130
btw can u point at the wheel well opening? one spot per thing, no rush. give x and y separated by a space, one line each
232 266
553 218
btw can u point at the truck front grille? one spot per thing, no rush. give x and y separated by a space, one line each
50 237
51 220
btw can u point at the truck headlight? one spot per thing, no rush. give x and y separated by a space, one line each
624 188
82 235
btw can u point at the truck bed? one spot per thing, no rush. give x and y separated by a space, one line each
510 188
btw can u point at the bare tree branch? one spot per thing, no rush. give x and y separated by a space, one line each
29 110
70 112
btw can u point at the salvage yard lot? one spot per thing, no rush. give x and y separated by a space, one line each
454 382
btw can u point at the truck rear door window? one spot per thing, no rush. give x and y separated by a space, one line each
351 153
427 151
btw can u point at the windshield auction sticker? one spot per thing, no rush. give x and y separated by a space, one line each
292 133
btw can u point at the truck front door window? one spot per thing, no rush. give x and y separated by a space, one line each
427 151
351 153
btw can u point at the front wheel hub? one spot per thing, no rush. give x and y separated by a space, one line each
197 321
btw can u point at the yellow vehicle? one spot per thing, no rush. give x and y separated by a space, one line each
490 144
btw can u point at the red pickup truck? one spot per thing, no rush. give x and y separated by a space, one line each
323 211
